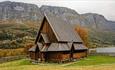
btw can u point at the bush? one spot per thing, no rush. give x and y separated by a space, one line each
11 52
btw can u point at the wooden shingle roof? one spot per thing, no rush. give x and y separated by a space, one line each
56 47
32 49
80 47
62 29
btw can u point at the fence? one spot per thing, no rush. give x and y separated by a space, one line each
11 58
110 51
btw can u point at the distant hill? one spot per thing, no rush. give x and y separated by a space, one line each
91 20
19 23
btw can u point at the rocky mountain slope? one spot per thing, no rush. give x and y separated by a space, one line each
91 20
19 12
22 12
20 21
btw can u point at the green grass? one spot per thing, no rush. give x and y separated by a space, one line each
15 63
83 64
94 60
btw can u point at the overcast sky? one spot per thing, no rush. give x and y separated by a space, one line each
104 7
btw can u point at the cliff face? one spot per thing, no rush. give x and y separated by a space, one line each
99 21
91 20
15 12
19 12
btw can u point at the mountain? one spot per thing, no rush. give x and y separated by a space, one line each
19 12
91 20
16 12
99 21
19 23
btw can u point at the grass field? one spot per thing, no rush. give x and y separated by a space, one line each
89 63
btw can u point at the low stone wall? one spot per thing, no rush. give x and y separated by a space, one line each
11 58
105 53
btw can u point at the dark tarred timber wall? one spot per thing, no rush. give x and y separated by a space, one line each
57 56
34 55
79 54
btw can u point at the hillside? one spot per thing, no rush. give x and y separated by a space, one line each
19 23
16 35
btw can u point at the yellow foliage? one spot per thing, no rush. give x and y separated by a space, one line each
83 32
27 47
11 52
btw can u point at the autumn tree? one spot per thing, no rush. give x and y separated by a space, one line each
83 32
27 47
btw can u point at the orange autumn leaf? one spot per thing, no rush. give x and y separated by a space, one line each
83 33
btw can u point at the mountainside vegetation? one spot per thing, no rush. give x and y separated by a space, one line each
83 33
16 35
101 38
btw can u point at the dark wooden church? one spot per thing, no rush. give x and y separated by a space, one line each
57 41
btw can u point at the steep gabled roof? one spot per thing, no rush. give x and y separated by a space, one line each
62 29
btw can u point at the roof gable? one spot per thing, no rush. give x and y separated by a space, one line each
62 29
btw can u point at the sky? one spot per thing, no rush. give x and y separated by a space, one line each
103 7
